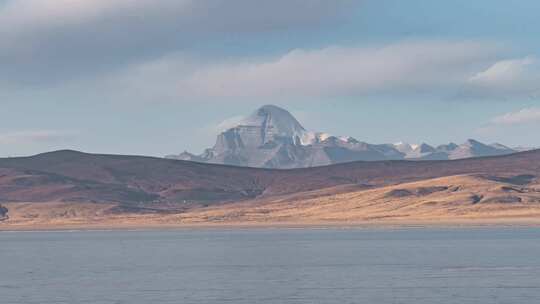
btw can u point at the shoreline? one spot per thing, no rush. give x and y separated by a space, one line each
436 224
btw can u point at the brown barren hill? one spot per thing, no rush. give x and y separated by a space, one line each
163 190
462 197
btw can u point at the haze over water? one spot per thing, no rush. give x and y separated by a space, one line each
496 265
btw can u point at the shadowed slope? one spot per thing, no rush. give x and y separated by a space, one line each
463 199
76 176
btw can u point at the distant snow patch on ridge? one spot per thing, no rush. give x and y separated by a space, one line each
311 138
404 147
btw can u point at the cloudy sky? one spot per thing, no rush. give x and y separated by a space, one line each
160 77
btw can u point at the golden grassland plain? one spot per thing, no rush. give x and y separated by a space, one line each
448 201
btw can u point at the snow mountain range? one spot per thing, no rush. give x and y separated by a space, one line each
272 138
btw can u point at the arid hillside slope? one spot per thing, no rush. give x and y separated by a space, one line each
462 199
64 186
447 198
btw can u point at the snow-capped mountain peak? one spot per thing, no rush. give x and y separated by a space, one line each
404 147
271 137
274 122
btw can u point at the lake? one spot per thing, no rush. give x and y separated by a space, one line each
484 265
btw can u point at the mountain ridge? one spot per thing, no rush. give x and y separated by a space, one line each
271 137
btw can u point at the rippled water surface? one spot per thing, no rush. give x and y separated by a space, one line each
492 265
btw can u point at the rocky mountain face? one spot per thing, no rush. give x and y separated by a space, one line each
272 138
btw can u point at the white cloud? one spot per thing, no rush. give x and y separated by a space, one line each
215 15
431 66
228 123
504 71
340 70
408 68
508 78
34 136
35 14
523 116
116 43
66 38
